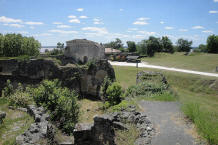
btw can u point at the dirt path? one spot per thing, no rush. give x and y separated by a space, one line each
171 128
163 68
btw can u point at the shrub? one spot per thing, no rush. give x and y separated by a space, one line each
107 82
8 89
61 103
114 94
20 98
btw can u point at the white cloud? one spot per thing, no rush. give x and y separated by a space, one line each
213 12
162 22
132 29
63 26
97 21
34 23
72 16
42 34
183 30
197 27
215 1
96 29
14 25
80 9
4 19
168 28
143 19
57 23
207 31
140 23
83 17
63 31
121 10
74 21
23 32
147 33
31 27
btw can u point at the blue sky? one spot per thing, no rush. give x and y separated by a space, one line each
51 21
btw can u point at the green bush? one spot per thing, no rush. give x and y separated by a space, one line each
20 97
60 102
114 94
107 82
8 89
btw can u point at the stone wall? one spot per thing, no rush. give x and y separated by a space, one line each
84 50
103 130
86 80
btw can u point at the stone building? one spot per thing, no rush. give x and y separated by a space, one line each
83 50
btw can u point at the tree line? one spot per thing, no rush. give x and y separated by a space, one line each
164 44
12 45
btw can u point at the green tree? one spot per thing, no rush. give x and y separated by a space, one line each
60 45
117 44
153 45
131 46
212 44
202 48
184 45
167 45
141 47
1 44
16 45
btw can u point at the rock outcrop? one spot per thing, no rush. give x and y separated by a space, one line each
85 79
103 130
39 130
2 116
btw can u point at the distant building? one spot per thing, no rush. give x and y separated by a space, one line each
109 51
83 50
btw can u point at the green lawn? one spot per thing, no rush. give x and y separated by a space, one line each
193 90
197 61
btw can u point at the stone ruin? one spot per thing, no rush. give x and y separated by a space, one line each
83 50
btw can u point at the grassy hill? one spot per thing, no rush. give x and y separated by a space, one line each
197 61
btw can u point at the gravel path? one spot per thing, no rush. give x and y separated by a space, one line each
163 68
171 128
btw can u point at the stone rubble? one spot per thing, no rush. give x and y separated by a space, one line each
41 129
102 131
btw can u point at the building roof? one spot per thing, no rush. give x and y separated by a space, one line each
132 57
111 50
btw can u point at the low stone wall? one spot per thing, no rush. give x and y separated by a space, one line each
86 80
103 130
39 130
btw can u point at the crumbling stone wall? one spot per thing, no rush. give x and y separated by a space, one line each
84 50
86 80
103 130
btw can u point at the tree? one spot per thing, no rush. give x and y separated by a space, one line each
131 46
212 44
153 45
202 48
117 44
184 45
167 45
60 45
16 45
1 44
141 47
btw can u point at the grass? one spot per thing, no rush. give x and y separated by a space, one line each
88 109
197 61
15 123
191 89
126 137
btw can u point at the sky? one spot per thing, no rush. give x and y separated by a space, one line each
52 21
